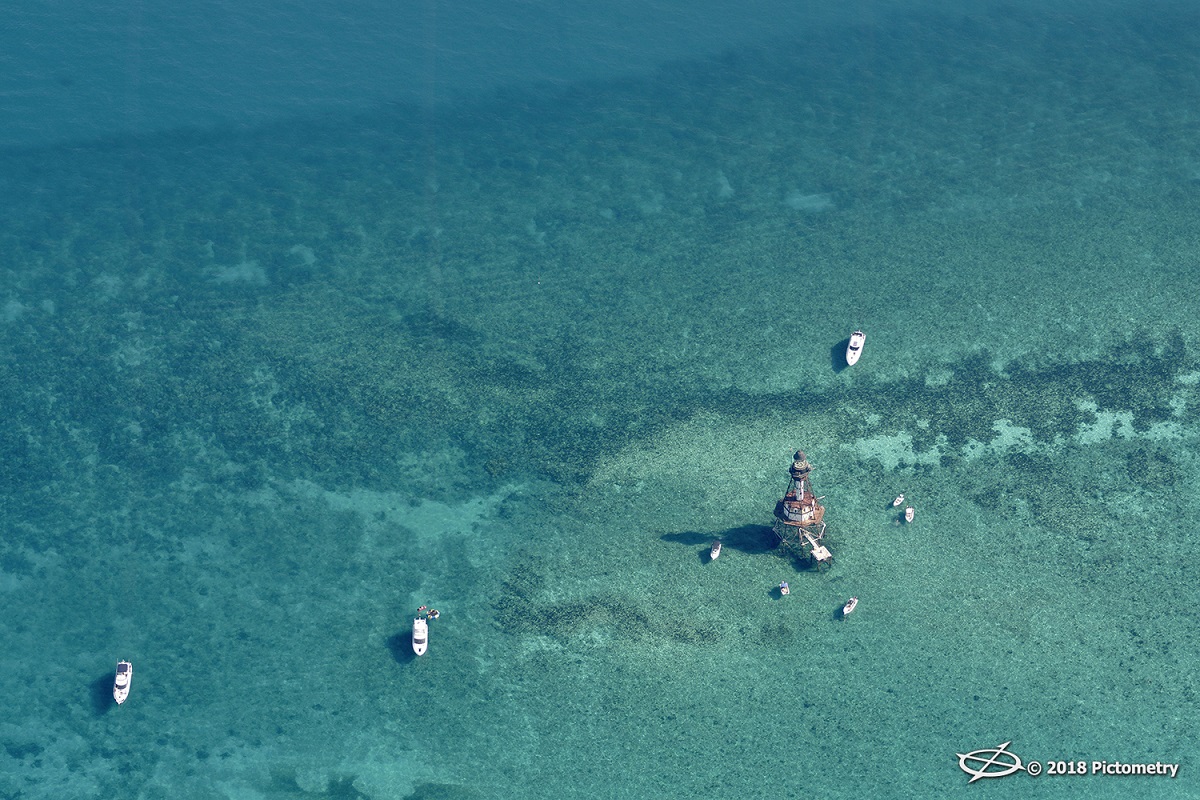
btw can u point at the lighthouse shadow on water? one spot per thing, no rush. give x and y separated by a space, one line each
749 539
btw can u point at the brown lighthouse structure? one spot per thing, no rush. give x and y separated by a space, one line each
799 515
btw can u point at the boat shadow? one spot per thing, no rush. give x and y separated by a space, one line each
837 355
399 644
101 692
750 539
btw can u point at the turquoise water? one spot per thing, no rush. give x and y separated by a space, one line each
523 359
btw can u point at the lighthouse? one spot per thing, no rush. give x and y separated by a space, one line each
799 515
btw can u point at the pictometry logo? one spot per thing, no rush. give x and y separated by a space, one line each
990 762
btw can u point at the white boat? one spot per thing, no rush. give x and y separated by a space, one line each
784 588
899 499
851 604
715 551
854 349
420 636
909 513
122 681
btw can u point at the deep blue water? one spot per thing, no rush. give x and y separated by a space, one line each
73 74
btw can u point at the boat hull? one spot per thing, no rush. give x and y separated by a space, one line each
854 348
122 682
420 636
851 604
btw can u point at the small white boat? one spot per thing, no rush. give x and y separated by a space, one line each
909 513
122 681
715 551
851 604
784 588
420 636
899 499
854 349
